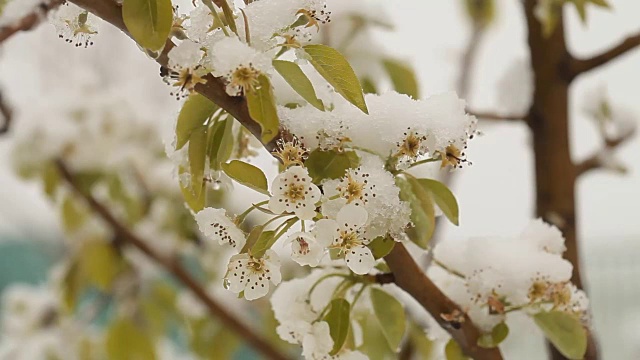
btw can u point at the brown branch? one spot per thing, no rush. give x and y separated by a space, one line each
496 116
410 278
407 273
579 66
594 162
217 310
7 115
30 21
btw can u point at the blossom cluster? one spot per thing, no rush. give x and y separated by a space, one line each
492 277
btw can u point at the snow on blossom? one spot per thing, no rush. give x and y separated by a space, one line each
187 54
489 276
317 343
216 226
397 125
294 192
274 17
544 237
74 24
252 275
374 188
238 63
200 22
306 249
345 234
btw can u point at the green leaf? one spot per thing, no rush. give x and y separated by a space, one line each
148 21
337 71
73 284
247 175
195 111
443 197
253 238
193 201
338 320
262 108
197 159
294 76
73 214
390 314
330 164
452 351
221 143
422 212
564 331
228 15
498 334
126 341
368 86
381 246
403 77
100 264
481 12
424 346
50 178
265 242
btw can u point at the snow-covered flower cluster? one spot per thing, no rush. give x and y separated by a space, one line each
492 277
299 306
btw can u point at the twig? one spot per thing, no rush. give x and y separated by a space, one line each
30 21
579 66
408 274
496 116
468 60
594 161
217 310
7 115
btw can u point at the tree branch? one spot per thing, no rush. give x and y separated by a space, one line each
6 114
579 66
407 273
496 116
410 278
30 21
594 161
217 310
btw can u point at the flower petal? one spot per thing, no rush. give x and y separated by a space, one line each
326 231
352 217
360 260
237 275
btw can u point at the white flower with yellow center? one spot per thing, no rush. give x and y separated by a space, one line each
344 234
216 226
306 249
75 25
252 274
294 192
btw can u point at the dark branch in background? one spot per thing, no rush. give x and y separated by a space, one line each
408 274
594 161
6 114
468 59
496 116
579 66
242 330
30 21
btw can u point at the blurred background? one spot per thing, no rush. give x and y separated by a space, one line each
495 193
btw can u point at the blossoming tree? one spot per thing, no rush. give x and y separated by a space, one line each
329 236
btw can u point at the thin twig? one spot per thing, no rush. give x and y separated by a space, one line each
217 310
579 66
7 116
482 115
30 21
594 161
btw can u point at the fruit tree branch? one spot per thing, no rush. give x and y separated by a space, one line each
234 324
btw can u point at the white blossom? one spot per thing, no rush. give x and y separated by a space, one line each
74 24
216 226
294 192
252 275
306 249
344 234
544 237
187 54
317 343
